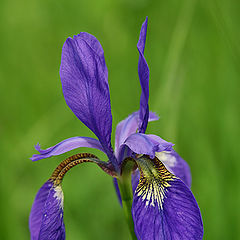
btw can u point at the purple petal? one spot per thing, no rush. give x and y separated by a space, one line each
65 146
163 206
143 72
127 127
176 165
147 144
46 217
84 79
115 182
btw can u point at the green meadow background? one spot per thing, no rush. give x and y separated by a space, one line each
193 53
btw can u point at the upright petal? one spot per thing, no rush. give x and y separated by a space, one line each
65 146
84 79
46 217
143 72
163 206
129 126
176 165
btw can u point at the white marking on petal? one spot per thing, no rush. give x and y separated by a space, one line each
167 159
59 195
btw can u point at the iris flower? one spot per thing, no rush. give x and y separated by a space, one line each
151 179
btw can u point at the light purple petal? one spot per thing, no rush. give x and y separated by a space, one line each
163 206
127 127
84 79
143 72
147 144
176 165
65 146
46 217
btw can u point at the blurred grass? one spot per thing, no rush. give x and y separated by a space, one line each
194 57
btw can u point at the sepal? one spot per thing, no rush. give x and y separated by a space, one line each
46 217
163 206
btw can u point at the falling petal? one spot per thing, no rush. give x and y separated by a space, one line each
163 206
176 165
46 217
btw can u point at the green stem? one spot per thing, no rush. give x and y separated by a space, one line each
125 186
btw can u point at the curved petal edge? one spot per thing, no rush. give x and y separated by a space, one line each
65 146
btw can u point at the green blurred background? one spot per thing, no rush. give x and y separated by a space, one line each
193 52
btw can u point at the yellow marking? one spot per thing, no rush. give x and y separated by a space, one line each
154 181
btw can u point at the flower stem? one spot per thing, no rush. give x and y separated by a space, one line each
125 187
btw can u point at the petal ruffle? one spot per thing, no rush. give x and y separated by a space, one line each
65 146
129 126
176 165
147 144
46 217
84 79
163 206
143 72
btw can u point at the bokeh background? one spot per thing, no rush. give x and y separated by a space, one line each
193 52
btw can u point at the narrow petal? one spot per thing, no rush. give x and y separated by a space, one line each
143 73
46 217
176 165
163 206
84 79
129 126
147 144
115 183
65 146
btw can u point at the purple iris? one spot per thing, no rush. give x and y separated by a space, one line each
161 203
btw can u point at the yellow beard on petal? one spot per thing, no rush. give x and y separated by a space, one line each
154 181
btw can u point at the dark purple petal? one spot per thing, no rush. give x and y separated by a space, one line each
163 206
127 127
176 165
115 182
65 146
46 217
147 144
84 79
35 218
143 72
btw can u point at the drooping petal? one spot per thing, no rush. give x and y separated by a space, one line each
129 126
46 217
143 72
176 165
147 144
163 206
65 146
84 79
